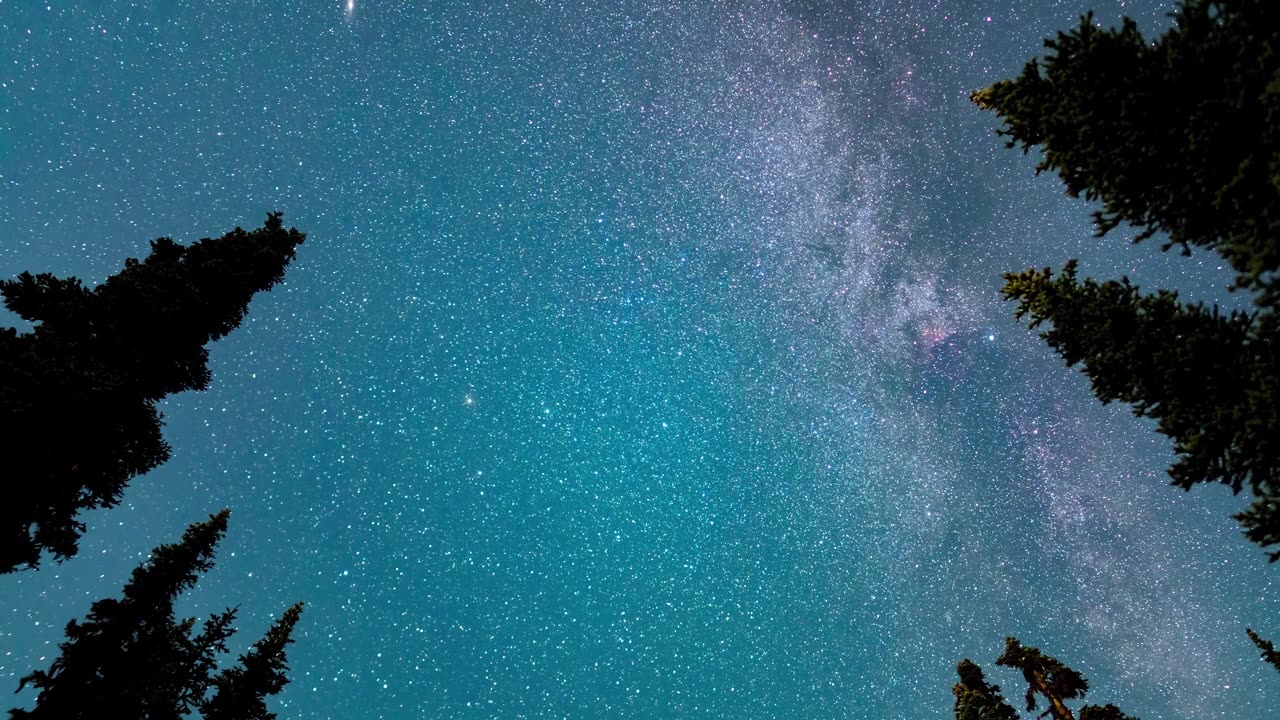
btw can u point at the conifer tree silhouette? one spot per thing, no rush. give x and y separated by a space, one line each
1269 652
978 700
1046 678
1177 137
130 658
78 418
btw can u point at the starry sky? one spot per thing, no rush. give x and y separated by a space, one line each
645 359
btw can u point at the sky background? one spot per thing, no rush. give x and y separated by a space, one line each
643 359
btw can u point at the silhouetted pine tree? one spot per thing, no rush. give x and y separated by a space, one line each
1177 136
1046 678
1269 652
977 700
77 394
239 691
1182 137
1208 378
131 659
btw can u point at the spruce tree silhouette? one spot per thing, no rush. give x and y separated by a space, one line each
1269 652
1046 678
239 691
1209 379
976 699
77 394
130 658
1176 137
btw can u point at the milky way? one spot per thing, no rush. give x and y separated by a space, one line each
643 360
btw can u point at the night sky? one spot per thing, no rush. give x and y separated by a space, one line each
643 360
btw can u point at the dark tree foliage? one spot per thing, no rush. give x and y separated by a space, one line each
1046 678
77 394
1208 378
131 659
1179 137
976 699
1103 712
240 691
1269 652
